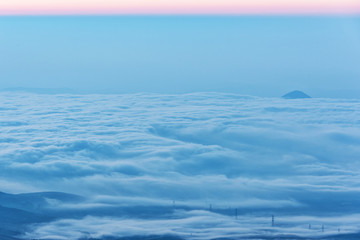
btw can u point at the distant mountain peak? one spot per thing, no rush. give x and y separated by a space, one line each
295 95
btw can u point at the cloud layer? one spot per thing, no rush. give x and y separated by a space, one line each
267 155
199 225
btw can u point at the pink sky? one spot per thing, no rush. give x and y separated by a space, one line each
19 7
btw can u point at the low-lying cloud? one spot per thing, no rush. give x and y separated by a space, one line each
226 150
198 225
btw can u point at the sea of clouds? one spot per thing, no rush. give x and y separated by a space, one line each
199 156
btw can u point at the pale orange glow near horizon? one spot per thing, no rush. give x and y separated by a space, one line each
45 7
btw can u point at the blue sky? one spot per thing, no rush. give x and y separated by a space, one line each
265 56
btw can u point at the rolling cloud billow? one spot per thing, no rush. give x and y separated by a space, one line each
191 166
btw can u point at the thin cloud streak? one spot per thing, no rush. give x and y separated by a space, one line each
40 7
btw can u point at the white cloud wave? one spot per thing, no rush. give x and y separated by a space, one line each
198 225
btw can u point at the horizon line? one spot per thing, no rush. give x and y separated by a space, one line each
275 14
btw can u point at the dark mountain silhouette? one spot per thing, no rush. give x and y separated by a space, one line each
35 202
295 95
20 211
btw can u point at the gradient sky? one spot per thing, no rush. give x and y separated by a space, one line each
263 56
9 7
